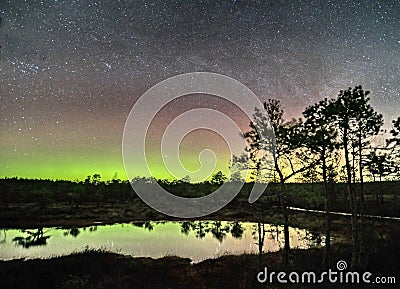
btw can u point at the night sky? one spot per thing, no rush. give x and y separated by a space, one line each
70 71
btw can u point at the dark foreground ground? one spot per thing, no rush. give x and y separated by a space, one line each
96 269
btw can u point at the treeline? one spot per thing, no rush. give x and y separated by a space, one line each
93 190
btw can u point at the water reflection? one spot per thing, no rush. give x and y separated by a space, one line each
298 237
34 238
74 232
4 238
197 240
315 238
146 225
92 228
216 228
273 232
237 230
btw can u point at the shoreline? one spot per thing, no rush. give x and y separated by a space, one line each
62 215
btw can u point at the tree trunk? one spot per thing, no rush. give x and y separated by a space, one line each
261 234
285 228
285 212
380 191
362 249
327 213
350 191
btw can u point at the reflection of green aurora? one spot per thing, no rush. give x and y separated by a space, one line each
197 240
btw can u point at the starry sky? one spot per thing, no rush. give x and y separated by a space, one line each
70 71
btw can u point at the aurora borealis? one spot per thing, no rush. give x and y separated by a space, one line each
70 71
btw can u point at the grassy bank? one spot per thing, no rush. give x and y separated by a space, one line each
99 269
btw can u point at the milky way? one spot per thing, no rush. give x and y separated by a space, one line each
70 71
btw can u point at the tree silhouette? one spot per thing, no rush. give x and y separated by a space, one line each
393 145
185 179
357 122
236 177
322 141
380 165
93 188
288 149
218 178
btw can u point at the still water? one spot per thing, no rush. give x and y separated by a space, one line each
197 240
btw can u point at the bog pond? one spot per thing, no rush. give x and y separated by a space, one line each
198 240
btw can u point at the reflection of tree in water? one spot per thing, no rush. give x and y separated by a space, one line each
258 233
74 232
186 227
274 232
34 238
271 232
236 230
216 228
219 231
200 228
2 241
146 225
92 228
314 238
